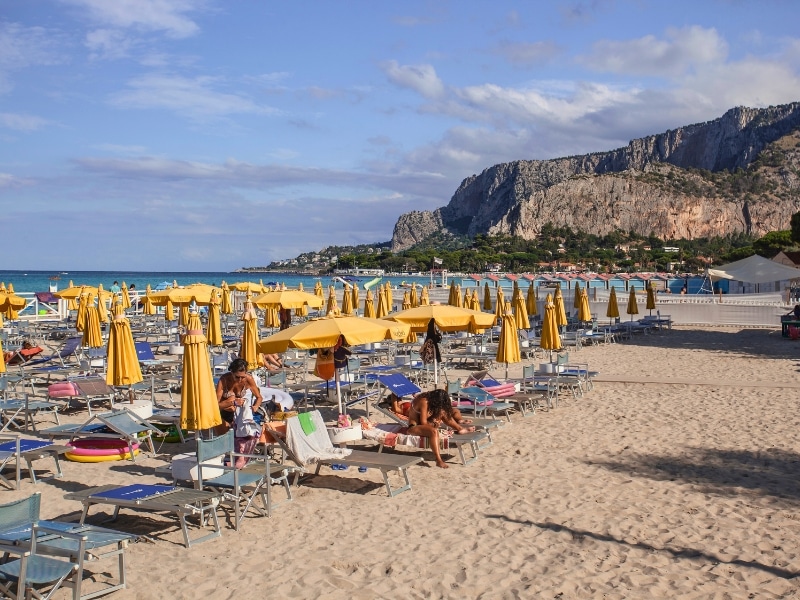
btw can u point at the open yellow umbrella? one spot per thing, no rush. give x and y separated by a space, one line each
487 297
347 301
413 298
10 303
584 312
530 301
333 306
92 336
550 338
446 317
406 301
612 312
424 298
651 298
558 301
633 307
226 307
248 286
508 344
369 306
520 311
71 294
382 306
199 406
123 364
248 351
214 335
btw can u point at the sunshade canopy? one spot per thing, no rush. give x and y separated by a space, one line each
754 269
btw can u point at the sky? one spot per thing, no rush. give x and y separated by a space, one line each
207 135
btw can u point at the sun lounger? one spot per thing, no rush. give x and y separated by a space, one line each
525 400
14 449
156 498
14 410
316 447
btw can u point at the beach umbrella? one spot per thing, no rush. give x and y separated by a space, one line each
102 311
2 359
248 351
576 297
369 306
214 336
382 306
467 303
148 307
452 296
10 303
184 314
406 301
633 307
424 298
332 307
199 406
508 344
584 313
446 317
169 311
347 301
123 364
487 297
499 304
126 299
248 286
520 311
612 312
475 303
651 298
288 299
226 306
550 338
271 317
355 298
92 335
459 301
389 299
80 319
318 291
325 333
530 301
71 294
414 299
558 301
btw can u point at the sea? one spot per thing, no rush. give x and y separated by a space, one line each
41 281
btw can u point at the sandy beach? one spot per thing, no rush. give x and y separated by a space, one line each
676 476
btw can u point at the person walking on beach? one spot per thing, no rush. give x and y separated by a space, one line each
115 289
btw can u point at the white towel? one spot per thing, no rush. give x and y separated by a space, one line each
314 447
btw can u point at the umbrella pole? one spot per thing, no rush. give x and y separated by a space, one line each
435 371
338 389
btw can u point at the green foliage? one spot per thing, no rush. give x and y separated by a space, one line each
772 243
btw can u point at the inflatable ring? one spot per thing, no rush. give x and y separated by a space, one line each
171 432
100 450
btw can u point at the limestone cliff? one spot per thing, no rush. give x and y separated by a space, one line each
682 183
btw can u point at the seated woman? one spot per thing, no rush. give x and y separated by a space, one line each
230 391
428 412
270 361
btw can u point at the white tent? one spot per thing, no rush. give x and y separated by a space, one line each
754 269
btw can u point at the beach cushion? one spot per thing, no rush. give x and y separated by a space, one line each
63 389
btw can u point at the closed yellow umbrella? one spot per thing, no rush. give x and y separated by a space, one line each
530 301
508 345
333 306
467 302
550 338
80 319
406 301
453 296
347 301
561 314
382 306
355 297
459 300
633 307
199 406
226 307
102 311
612 312
584 313
214 335
148 307
126 299
248 351
123 364
475 303
369 306
389 299
2 359
92 335
500 301
487 297
318 291
651 298
576 297
520 311
424 298
413 298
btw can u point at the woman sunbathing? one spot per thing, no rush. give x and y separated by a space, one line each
428 412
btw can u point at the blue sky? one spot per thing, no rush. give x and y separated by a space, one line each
214 134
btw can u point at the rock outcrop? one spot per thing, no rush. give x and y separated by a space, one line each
662 183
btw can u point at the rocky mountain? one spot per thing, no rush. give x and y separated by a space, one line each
740 172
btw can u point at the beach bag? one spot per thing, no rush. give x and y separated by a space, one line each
428 352
324 367
244 423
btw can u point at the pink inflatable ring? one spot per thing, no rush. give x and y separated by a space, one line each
102 449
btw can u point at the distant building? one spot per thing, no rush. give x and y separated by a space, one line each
790 259
671 249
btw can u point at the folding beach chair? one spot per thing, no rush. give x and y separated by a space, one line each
14 449
309 442
241 486
21 531
525 400
479 402
21 412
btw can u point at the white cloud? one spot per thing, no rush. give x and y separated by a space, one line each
420 78
192 97
22 47
680 51
9 181
109 43
20 122
169 16
527 54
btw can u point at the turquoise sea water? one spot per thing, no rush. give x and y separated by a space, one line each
39 281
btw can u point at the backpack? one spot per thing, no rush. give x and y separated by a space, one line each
324 367
428 352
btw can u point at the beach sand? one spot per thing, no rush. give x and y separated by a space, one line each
678 475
